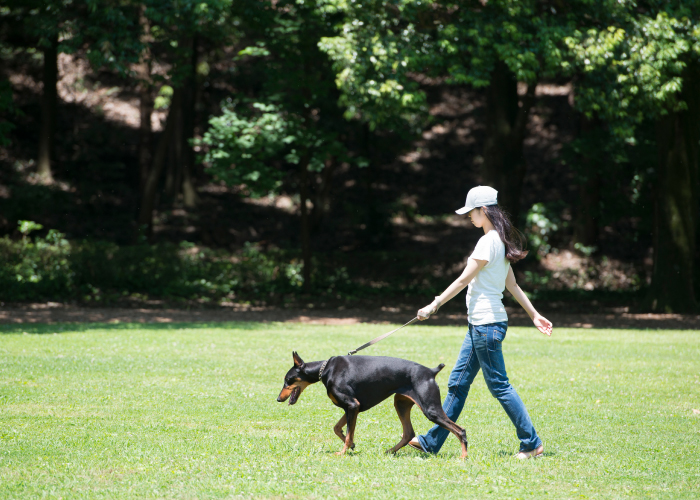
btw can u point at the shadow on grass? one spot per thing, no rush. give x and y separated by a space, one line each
48 329
399 455
506 454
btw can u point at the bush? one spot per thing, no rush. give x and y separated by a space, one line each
52 268
40 269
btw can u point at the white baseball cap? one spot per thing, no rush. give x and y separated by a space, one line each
480 196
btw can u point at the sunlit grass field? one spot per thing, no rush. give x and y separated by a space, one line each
189 411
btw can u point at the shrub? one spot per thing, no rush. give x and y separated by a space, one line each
35 270
52 268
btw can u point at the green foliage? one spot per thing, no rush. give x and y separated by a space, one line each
527 36
294 120
113 34
27 226
542 223
585 250
633 66
380 47
164 97
243 147
52 268
41 21
373 52
34 270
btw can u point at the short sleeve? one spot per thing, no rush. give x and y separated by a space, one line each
484 250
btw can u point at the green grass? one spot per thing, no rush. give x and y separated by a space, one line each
189 411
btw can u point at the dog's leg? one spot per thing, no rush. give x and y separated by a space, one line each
338 429
427 398
437 416
403 407
353 408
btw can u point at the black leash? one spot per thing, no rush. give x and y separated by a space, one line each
381 337
363 346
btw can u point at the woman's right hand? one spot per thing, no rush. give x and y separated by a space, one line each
427 311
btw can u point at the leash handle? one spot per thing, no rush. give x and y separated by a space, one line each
381 337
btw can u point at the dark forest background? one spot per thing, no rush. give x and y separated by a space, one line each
313 152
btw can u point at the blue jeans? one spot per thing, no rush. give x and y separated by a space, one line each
482 349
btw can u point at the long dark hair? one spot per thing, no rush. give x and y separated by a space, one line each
510 236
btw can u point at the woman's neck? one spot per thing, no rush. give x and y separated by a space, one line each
488 227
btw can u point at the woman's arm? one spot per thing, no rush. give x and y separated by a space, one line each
542 323
472 269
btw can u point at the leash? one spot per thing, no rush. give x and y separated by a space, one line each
363 346
381 337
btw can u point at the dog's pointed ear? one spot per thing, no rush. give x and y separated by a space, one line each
297 360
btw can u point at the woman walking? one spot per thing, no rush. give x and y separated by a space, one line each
487 273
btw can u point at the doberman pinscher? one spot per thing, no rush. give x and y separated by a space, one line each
358 383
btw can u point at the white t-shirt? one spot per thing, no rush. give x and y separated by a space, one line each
486 290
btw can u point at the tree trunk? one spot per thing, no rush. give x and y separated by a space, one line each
587 211
143 72
175 160
376 230
322 201
179 174
586 220
49 101
676 208
506 121
170 172
305 222
148 194
189 104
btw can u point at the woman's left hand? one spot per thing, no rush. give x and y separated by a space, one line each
543 324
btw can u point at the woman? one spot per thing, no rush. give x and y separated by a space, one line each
487 273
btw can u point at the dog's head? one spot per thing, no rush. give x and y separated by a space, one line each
295 381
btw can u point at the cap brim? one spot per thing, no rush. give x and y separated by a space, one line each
464 210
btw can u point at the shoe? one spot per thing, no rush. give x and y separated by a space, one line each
415 444
536 453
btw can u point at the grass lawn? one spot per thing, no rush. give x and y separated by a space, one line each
189 411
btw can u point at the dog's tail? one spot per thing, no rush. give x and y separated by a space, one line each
437 369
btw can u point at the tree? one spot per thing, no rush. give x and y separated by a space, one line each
293 128
491 45
644 66
45 25
132 38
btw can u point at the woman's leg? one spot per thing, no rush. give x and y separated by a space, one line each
461 379
487 342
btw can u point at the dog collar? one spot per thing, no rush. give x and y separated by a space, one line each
323 367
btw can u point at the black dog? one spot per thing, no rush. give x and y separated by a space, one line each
357 383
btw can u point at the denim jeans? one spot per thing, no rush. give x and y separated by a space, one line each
482 349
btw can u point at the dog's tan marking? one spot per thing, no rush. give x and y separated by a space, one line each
352 420
403 405
287 391
302 386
